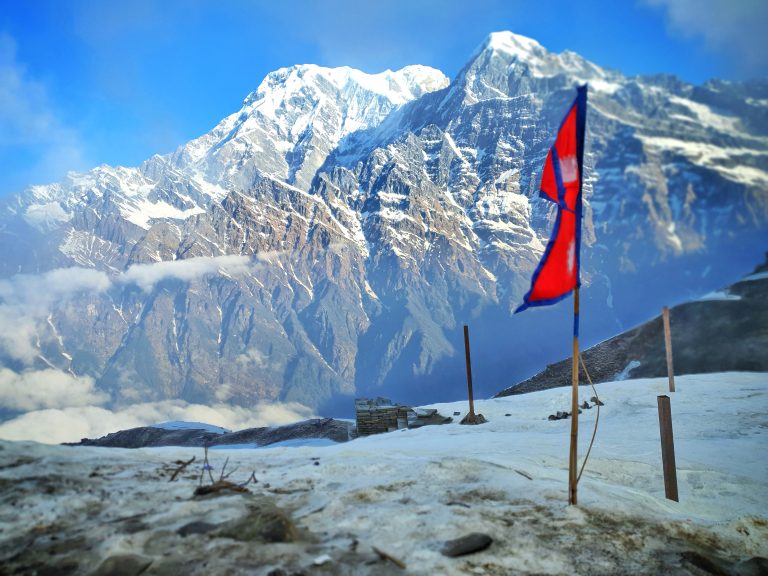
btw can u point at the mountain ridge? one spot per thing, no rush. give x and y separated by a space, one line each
365 250
722 331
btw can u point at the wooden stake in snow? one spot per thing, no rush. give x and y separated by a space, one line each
469 373
667 448
470 418
668 344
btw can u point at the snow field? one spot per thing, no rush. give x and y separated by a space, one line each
409 491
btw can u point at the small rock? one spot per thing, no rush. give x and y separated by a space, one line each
597 401
473 419
196 527
457 413
320 560
134 525
507 414
757 566
123 565
705 563
586 405
469 544
317 463
265 523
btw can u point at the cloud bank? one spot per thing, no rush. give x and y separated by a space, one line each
71 423
26 300
146 276
63 407
41 389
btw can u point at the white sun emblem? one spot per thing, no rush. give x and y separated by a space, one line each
569 169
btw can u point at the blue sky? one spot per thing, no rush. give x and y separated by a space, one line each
85 82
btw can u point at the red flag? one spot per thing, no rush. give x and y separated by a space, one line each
558 272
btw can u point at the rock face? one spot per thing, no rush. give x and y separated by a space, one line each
331 237
723 331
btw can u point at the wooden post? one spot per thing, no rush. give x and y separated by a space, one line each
668 344
469 373
667 448
572 461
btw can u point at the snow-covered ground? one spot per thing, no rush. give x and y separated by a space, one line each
408 492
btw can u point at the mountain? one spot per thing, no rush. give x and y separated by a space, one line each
326 429
330 238
723 331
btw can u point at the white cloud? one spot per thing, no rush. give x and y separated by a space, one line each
70 424
43 289
733 28
65 407
26 300
147 275
251 357
34 390
29 121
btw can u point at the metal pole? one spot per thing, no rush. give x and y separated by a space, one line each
469 373
572 463
668 345
667 448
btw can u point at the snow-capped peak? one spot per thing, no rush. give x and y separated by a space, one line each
398 87
505 54
298 115
514 44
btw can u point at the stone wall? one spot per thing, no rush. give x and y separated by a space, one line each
375 416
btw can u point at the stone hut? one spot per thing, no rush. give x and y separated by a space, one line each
378 415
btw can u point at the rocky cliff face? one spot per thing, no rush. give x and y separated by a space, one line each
332 236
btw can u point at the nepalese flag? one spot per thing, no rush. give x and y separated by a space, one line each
558 272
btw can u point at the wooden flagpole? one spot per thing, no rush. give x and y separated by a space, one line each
572 463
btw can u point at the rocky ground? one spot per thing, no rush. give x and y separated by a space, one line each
75 511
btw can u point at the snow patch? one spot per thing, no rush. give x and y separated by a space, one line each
46 216
624 374
142 212
186 425
719 295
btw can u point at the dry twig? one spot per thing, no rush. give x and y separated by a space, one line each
222 484
389 558
525 474
181 468
219 486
